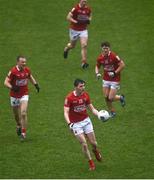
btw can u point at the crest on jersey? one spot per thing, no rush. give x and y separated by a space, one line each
80 101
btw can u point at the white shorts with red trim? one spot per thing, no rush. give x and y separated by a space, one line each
111 84
74 35
16 101
84 126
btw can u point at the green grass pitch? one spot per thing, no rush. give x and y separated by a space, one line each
39 30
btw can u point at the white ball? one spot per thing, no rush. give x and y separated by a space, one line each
103 115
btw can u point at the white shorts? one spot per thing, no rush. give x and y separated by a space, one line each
74 35
111 84
16 101
84 126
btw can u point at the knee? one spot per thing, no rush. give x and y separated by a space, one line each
84 146
23 113
70 45
94 144
84 45
108 99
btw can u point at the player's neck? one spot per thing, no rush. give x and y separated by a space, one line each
77 93
106 54
20 68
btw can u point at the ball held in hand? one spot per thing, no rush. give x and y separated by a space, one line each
103 115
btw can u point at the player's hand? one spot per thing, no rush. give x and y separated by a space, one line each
111 74
37 87
98 76
15 88
71 126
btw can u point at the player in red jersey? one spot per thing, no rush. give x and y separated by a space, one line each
17 82
75 113
112 66
79 18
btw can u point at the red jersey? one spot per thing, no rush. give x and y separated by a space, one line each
109 62
19 78
77 105
80 14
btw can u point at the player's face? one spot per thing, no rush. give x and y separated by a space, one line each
21 63
105 50
83 3
80 88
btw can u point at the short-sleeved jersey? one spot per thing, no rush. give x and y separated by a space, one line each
77 105
80 14
109 62
19 78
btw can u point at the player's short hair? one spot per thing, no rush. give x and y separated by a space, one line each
105 43
78 81
20 56
82 0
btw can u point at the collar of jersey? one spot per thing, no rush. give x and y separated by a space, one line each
108 53
18 68
76 94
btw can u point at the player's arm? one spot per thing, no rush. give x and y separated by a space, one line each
7 83
97 68
66 115
92 109
33 81
70 18
120 67
90 18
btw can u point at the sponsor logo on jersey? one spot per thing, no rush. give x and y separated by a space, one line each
80 108
22 82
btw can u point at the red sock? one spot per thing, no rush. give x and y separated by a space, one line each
24 130
91 163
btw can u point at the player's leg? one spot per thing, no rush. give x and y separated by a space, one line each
78 130
115 85
120 98
69 46
106 91
89 131
117 98
111 98
92 140
23 111
81 138
84 42
74 35
16 112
